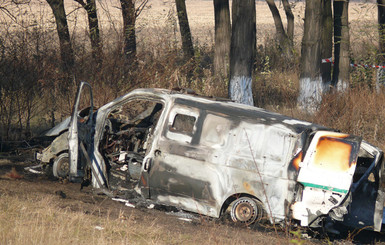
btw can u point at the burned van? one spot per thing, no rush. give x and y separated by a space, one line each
212 156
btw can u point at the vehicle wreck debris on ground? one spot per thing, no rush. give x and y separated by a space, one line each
212 156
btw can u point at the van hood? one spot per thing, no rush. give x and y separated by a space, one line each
58 129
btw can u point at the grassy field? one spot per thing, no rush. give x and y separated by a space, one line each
36 210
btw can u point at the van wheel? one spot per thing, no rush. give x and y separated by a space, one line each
61 166
246 210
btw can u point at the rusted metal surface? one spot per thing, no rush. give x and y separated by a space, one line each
202 155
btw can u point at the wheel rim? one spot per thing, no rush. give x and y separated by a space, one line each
245 210
63 167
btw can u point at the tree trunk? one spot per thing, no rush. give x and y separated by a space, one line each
187 45
341 45
381 33
344 76
290 19
326 40
242 51
93 25
66 52
311 85
283 39
222 38
129 19
337 8
381 28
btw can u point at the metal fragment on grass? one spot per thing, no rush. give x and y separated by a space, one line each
99 228
130 205
185 219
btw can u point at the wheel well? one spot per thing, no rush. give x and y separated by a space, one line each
232 198
56 155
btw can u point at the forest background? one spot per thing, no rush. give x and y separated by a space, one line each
36 93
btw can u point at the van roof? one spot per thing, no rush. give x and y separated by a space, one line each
229 108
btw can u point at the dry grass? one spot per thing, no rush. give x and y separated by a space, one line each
360 112
42 218
33 211
38 220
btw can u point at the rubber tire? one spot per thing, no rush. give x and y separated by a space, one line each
246 210
61 166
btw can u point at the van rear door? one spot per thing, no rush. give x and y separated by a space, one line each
326 175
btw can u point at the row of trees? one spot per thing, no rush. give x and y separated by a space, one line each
130 9
317 42
325 25
234 44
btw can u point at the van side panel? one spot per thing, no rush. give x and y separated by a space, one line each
224 156
258 165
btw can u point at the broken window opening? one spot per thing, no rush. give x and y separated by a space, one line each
364 162
183 124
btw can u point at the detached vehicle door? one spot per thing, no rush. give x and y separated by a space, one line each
326 175
80 132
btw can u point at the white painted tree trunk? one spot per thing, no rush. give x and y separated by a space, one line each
380 81
311 86
342 86
310 93
242 51
241 90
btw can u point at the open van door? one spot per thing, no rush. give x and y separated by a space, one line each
326 175
79 135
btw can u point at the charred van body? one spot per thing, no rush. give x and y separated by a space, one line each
210 156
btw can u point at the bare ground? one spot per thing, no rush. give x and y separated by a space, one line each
118 223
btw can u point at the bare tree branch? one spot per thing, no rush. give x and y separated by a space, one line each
81 2
74 10
140 8
7 12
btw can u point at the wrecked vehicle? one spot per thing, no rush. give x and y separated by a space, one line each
212 156
55 158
